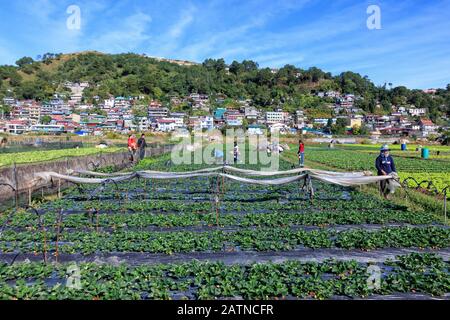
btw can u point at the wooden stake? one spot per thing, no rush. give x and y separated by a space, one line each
97 222
58 226
45 244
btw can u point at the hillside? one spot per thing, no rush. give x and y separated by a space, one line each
158 78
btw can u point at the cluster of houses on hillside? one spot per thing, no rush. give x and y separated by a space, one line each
73 116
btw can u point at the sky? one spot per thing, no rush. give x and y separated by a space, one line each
411 47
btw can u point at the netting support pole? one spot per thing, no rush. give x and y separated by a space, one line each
310 187
16 187
29 196
445 205
217 199
96 221
58 228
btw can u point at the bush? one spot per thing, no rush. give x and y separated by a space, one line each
113 135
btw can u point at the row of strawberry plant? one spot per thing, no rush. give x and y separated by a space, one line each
215 280
261 239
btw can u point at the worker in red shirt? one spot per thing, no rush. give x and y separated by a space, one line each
132 146
301 153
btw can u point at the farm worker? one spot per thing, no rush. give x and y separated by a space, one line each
385 166
301 153
142 144
236 152
132 146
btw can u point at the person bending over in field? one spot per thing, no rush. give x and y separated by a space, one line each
385 166
3 142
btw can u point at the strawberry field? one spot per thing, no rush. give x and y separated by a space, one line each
210 238
356 158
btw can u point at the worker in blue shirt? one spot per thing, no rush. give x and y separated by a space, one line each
385 166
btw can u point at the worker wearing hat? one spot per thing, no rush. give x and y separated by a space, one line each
385 166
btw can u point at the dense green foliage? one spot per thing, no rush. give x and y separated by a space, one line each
133 75
48 155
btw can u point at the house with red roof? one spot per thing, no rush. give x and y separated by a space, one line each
428 127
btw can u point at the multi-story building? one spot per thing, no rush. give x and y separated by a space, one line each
207 122
165 125
34 111
9 101
157 113
251 113
273 117
219 115
234 118
20 112
299 119
428 127
142 123
16 126
417 111
122 103
178 122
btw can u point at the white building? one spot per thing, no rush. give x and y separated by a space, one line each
417 111
207 122
251 113
109 103
157 113
428 127
178 122
9 101
42 128
142 123
273 117
299 119
166 125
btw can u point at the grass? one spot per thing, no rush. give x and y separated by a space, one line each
48 155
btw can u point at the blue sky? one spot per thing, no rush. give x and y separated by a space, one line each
412 48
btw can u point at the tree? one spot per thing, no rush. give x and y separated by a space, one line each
340 126
236 68
46 119
5 111
360 130
24 61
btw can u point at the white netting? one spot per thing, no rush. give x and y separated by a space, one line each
347 179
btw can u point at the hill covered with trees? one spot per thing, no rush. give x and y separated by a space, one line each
131 75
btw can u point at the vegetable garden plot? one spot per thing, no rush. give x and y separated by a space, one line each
432 169
139 225
198 280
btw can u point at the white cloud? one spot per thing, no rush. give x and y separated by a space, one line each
180 26
128 35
